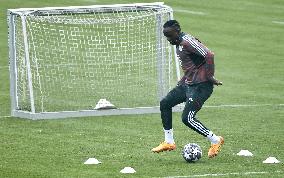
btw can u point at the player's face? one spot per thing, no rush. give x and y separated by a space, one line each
172 35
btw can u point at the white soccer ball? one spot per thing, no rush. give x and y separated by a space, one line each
191 152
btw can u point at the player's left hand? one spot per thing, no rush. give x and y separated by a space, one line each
215 81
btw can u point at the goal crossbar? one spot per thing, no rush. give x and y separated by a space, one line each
84 8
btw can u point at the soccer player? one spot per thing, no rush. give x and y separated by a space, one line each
194 88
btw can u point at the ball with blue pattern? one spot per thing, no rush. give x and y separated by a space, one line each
191 152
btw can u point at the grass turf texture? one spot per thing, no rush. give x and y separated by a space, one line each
248 48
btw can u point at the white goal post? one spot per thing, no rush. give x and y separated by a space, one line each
63 60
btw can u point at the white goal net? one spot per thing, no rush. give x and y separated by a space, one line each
63 60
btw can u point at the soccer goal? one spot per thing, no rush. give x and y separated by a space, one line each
64 60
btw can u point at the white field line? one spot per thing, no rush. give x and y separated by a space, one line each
241 105
278 22
223 106
224 174
90 0
189 12
5 116
4 94
4 67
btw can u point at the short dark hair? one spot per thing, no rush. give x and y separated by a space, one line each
173 24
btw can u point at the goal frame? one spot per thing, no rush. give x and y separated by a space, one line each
15 112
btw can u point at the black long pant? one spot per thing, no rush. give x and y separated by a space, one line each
194 96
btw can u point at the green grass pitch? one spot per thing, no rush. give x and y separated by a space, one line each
247 37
